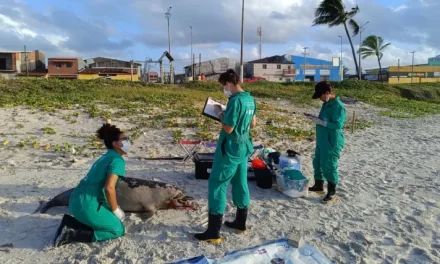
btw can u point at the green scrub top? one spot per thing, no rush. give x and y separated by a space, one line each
94 182
240 110
331 136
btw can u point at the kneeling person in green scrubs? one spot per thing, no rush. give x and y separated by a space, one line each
93 204
329 140
234 147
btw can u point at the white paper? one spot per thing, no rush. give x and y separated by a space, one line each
209 108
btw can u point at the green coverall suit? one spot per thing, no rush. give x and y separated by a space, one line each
231 155
329 141
88 202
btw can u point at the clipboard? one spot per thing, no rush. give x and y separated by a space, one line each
208 109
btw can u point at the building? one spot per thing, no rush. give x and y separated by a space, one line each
108 73
16 62
212 68
63 68
422 74
315 70
100 62
273 69
434 61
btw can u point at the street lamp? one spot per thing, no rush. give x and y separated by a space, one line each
168 16
242 40
192 56
341 69
361 29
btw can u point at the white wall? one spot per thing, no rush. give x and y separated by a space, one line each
272 73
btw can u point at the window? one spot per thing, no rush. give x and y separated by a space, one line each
58 64
68 64
289 67
264 66
279 67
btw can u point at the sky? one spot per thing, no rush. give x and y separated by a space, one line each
137 29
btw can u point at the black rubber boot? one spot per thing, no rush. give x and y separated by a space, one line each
69 235
212 234
71 230
331 193
240 220
318 187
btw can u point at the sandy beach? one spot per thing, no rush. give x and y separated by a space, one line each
388 211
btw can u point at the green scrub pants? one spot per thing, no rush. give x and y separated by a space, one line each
227 170
86 209
325 164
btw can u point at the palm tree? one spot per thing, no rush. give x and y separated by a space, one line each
345 70
373 46
333 13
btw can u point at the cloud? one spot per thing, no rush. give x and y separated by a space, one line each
58 31
139 28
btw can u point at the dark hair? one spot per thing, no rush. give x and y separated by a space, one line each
324 86
109 133
229 76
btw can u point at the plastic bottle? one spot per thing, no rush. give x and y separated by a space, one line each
290 160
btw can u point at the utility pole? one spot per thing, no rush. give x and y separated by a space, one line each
131 69
193 65
242 40
398 71
361 29
341 69
305 60
25 61
168 16
412 74
192 54
200 64
260 34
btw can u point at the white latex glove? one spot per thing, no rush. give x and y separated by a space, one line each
119 213
318 121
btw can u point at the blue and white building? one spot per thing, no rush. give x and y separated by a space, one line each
297 69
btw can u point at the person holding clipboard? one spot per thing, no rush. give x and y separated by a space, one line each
234 147
329 140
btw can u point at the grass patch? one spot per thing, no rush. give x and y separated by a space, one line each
49 130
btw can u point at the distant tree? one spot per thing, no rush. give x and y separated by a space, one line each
345 70
374 46
333 13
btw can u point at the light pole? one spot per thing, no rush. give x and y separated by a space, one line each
305 60
168 16
341 69
412 73
361 29
242 40
192 56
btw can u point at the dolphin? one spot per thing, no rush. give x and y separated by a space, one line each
135 195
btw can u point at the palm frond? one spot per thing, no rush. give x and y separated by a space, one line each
329 12
354 26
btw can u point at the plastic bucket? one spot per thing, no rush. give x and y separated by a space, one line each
264 178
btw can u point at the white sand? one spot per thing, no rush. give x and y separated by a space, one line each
388 212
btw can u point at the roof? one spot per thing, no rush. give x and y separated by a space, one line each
103 59
61 59
107 71
273 59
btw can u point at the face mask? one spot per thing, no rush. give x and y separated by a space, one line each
227 93
126 145
327 98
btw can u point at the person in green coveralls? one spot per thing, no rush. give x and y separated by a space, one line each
234 147
93 204
329 140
